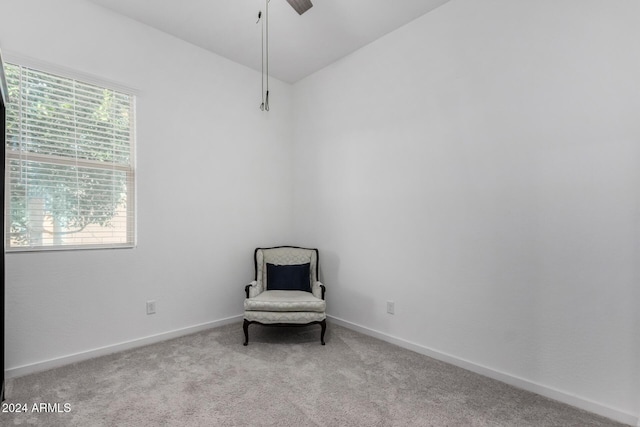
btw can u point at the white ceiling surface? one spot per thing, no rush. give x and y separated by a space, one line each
299 45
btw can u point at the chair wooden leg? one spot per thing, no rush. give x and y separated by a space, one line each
245 328
323 324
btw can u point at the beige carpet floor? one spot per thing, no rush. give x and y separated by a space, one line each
283 378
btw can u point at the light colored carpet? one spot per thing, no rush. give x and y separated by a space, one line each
283 378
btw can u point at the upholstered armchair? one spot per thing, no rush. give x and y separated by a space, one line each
285 290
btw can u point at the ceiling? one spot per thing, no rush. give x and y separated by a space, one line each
299 45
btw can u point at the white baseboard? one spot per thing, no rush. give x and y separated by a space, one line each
110 349
521 383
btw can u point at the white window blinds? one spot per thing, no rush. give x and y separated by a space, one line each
70 163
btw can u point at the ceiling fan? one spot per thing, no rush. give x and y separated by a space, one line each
300 6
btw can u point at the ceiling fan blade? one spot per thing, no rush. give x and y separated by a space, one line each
301 6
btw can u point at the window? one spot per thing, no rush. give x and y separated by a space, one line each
70 163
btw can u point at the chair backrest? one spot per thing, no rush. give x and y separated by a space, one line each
284 255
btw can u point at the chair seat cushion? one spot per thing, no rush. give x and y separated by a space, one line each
285 301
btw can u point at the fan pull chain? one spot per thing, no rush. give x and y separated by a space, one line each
265 56
266 105
261 59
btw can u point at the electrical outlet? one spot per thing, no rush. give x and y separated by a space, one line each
151 307
391 307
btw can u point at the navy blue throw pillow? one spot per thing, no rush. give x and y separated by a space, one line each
288 277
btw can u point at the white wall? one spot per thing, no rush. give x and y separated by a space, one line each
207 159
480 167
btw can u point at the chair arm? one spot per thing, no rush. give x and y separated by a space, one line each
248 287
319 289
